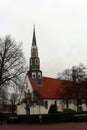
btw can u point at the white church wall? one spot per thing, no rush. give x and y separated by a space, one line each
73 106
38 109
27 85
21 109
42 109
59 103
84 107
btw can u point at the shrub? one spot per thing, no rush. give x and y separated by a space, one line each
69 111
53 109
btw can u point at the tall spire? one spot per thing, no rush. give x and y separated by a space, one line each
34 70
34 37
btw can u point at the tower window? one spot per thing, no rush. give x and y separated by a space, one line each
33 75
39 75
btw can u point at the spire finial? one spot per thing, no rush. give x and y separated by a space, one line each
34 37
34 26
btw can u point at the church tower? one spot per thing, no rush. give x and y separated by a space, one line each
34 71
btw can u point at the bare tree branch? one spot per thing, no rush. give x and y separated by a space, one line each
12 63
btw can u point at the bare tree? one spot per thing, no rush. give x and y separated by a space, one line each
31 100
37 99
3 98
14 101
76 78
76 74
12 63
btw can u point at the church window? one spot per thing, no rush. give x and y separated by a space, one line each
55 102
33 75
39 75
46 104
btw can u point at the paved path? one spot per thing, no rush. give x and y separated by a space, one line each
58 126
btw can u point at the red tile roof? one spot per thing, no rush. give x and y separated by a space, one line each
50 87
54 89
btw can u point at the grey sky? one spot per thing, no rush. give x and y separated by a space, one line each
61 30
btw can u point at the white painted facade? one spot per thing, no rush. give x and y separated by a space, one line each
44 109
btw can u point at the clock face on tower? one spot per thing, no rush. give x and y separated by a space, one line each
37 61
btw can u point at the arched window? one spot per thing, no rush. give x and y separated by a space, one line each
46 104
33 75
39 75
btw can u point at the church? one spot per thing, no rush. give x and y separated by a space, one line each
49 89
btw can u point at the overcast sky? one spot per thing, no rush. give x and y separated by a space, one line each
61 30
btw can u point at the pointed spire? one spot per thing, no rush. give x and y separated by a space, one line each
34 37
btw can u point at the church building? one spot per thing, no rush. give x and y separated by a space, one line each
50 89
